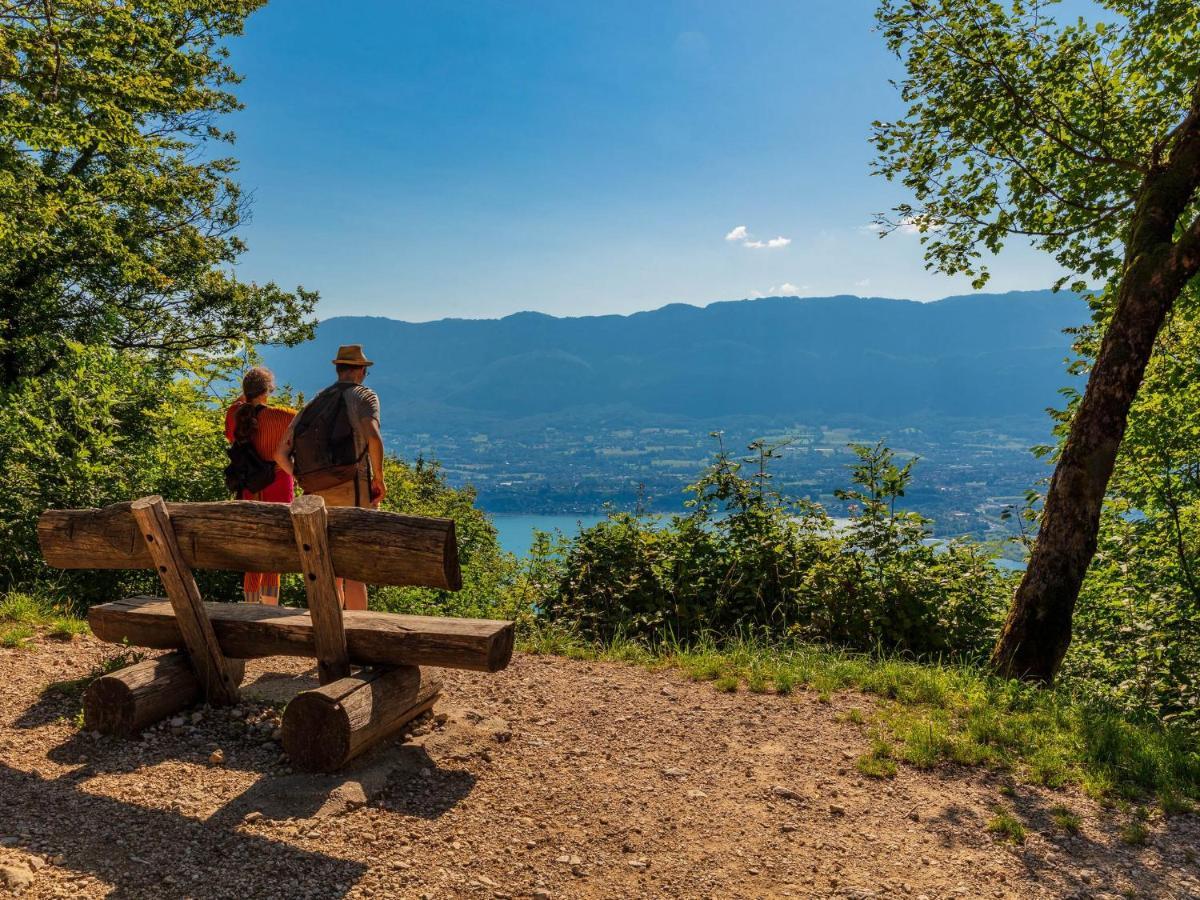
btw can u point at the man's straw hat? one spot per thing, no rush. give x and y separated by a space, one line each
351 355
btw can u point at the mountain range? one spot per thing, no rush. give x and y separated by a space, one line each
840 359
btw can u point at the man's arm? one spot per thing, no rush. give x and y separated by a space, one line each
283 453
375 448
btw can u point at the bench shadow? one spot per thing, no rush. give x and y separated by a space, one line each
84 828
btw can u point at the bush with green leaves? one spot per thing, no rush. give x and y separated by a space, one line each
744 557
420 489
103 426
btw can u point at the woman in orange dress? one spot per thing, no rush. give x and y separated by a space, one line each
265 430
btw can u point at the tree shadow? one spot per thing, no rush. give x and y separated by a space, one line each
151 853
1036 813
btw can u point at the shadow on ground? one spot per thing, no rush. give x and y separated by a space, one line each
174 856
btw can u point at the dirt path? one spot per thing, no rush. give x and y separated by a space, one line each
552 779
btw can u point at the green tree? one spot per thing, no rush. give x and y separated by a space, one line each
1138 622
116 220
1083 138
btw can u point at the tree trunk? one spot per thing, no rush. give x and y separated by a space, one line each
1157 268
1038 630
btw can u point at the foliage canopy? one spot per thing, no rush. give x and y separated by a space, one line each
116 221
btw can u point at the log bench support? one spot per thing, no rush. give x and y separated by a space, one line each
216 677
128 700
323 729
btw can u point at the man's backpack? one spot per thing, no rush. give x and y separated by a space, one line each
323 446
247 471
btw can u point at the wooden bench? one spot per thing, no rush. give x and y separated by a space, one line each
322 728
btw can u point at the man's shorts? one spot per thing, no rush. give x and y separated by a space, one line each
343 495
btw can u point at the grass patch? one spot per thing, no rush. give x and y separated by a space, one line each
1064 819
16 636
1135 833
22 614
1006 825
935 714
878 763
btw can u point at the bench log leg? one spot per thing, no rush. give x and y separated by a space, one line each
325 728
128 700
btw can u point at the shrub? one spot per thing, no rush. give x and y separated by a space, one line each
746 557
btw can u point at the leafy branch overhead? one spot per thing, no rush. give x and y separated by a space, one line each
1019 125
117 221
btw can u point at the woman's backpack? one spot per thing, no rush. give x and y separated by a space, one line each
247 471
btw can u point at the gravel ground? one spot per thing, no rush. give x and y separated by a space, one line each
551 779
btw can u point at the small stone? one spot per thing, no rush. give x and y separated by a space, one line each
695 794
502 736
835 810
36 863
178 722
541 894
787 827
639 864
217 757
197 718
252 817
784 792
15 878
675 773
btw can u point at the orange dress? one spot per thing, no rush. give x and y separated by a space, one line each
273 423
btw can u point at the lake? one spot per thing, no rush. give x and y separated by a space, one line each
516 530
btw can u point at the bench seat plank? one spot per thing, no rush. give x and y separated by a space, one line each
251 630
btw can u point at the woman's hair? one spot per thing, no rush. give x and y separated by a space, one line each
255 383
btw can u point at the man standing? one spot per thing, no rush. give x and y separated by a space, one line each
335 449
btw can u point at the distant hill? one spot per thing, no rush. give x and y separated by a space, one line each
827 359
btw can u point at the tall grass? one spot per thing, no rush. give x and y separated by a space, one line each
22 615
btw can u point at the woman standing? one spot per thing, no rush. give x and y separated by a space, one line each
251 419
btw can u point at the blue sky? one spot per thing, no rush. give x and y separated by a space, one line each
473 159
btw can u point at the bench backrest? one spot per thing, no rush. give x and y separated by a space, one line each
244 536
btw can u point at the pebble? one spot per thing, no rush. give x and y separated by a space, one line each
16 878
217 757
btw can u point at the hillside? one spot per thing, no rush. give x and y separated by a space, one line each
552 779
823 359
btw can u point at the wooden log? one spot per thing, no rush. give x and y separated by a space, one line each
127 700
324 604
323 729
245 536
251 630
216 680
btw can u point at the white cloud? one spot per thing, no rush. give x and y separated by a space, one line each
767 245
865 283
742 235
907 225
